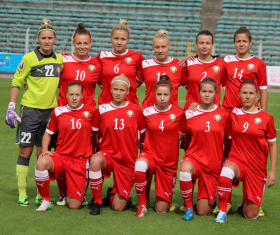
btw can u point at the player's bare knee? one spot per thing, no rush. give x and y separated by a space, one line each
25 151
74 206
203 211
42 163
96 162
117 207
251 214
161 208
186 166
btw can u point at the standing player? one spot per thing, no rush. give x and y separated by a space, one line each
119 61
41 70
73 148
81 67
203 66
253 134
161 151
119 122
244 66
203 158
151 70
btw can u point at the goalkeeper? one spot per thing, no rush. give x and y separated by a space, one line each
41 70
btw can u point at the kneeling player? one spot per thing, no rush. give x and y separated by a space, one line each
119 122
203 158
74 147
161 149
253 133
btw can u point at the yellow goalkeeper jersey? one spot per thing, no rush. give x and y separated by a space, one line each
42 76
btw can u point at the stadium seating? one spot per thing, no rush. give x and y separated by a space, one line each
180 18
262 18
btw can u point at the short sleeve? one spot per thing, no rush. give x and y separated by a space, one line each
140 76
270 130
183 125
96 121
52 124
262 76
22 72
141 121
184 78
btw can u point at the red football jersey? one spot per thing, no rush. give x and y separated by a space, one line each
114 65
250 133
239 70
207 130
197 70
74 130
162 137
150 72
119 127
86 72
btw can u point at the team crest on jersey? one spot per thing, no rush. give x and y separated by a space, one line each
21 64
250 67
130 113
172 117
86 114
91 68
173 69
257 121
128 60
217 118
58 70
216 69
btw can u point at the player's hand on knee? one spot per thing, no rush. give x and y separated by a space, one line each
271 178
12 115
45 153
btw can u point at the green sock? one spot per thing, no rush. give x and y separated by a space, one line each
22 173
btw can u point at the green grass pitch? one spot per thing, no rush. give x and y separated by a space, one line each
60 220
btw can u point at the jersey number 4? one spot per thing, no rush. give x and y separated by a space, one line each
161 126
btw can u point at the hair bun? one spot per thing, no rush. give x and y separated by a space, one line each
46 21
162 32
164 78
81 26
123 22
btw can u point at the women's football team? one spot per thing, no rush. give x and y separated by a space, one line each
223 146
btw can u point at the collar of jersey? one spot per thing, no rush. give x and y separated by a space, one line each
252 56
39 56
163 62
162 111
119 107
206 111
204 62
250 112
75 109
119 54
75 58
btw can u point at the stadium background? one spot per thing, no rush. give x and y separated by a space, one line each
182 19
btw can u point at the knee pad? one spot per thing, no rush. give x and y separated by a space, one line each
141 166
227 172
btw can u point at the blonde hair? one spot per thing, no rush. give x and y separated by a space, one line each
121 78
46 26
121 26
162 34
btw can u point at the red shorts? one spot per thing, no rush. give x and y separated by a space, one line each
164 182
207 184
122 175
253 184
75 170
186 140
